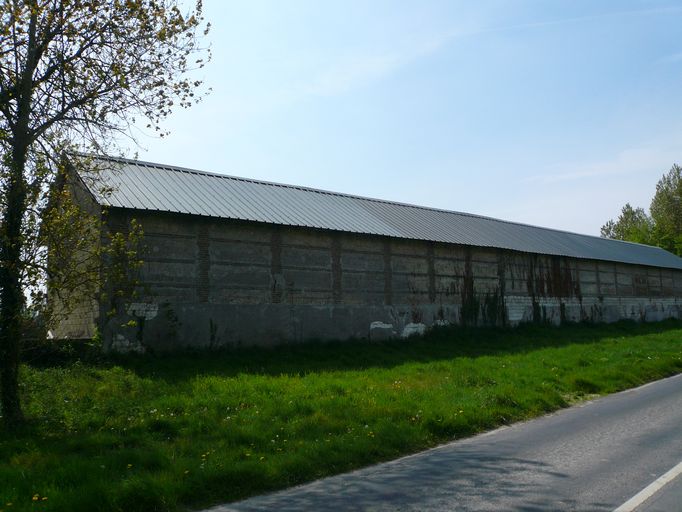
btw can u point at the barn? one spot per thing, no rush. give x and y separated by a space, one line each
232 261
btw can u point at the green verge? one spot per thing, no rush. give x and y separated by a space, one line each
191 430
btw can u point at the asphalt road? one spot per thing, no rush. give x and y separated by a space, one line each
667 499
592 457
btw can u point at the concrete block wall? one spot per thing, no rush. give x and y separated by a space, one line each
79 320
78 323
213 282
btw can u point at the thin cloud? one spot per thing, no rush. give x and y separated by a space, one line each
669 59
352 72
345 73
359 70
577 19
634 160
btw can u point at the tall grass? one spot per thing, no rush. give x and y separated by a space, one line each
189 430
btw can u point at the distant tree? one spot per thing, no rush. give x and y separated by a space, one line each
633 225
663 227
666 211
75 75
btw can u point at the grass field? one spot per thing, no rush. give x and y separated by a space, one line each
191 430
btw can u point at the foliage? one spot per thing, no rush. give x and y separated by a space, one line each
122 260
65 253
666 211
190 430
75 77
663 227
633 225
85 260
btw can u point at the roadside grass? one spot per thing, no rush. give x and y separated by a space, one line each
191 430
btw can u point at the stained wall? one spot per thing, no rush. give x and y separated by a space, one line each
212 282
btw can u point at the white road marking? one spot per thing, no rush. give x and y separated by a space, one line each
650 490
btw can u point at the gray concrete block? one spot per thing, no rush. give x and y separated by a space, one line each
380 331
361 261
413 329
309 258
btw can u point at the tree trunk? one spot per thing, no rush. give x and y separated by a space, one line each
11 246
11 295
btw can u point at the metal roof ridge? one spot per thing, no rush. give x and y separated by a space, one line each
176 168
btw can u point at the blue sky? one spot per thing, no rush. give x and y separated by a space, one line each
552 113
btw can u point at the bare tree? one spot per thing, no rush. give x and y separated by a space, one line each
75 75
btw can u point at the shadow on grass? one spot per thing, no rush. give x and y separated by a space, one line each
103 459
316 356
82 471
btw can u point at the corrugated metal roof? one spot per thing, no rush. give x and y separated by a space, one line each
148 186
